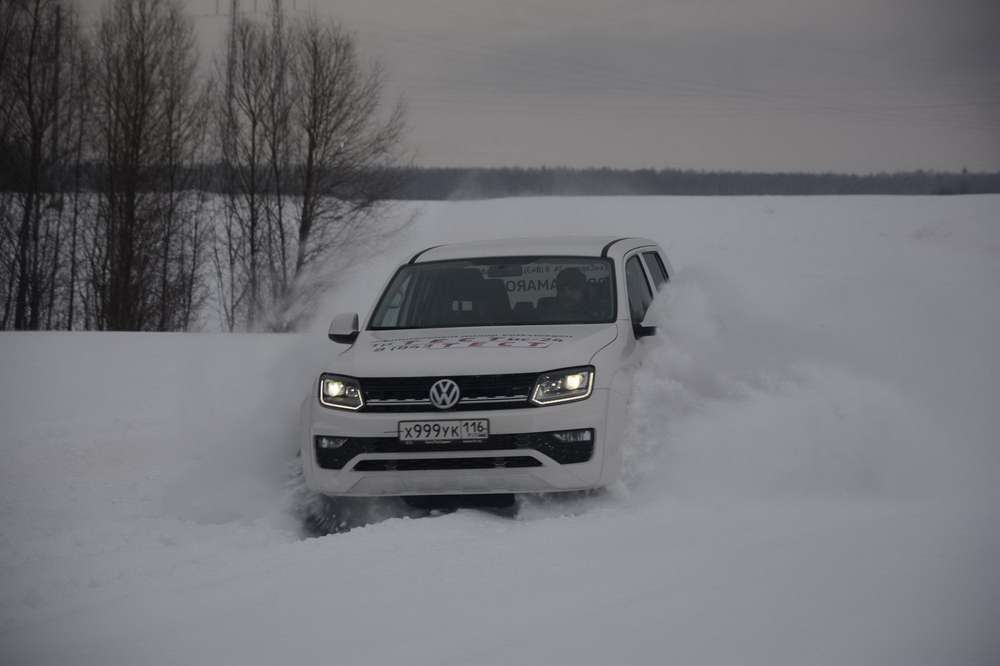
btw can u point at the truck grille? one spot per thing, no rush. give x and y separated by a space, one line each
479 392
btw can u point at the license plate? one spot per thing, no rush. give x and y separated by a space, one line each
443 431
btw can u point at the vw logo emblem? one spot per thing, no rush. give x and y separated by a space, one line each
444 394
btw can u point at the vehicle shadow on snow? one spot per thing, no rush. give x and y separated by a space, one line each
318 515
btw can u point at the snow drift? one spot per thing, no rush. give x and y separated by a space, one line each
811 472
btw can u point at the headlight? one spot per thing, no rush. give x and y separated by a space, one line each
340 392
563 386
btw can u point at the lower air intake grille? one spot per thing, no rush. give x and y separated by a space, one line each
543 442
415 464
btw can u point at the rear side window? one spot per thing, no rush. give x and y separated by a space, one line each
639 293
656 269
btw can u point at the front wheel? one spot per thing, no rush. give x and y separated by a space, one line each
319 515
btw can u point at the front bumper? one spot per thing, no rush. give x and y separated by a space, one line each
518 457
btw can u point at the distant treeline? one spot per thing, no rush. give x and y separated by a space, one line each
482 183
440 184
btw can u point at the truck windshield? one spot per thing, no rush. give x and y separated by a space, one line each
498 291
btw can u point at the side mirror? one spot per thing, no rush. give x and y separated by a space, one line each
344 328
643 331
646 328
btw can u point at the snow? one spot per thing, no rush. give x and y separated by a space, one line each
811 474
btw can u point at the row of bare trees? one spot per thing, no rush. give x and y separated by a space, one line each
42 105
290 116
305 152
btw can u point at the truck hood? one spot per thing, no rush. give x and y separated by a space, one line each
471 351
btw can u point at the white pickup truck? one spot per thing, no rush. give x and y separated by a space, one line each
490 367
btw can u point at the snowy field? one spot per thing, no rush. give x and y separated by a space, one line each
812 478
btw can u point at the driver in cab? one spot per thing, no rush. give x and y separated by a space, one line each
570 302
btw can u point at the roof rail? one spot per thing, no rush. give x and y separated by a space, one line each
604 252
417 255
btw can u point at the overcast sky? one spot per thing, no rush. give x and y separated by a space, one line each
846 85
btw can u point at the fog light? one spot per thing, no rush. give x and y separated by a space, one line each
330 442
573 436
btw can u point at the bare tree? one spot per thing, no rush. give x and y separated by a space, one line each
184 114
280 141
347 149
239 253
9 21
77 133
301 114
149 117
38 43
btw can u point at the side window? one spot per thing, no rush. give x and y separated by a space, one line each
656 269
639 293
